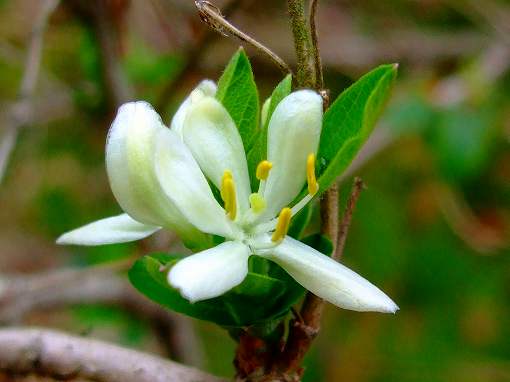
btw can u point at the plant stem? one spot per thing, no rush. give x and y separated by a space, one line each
319 77
304 72
212 16
347 217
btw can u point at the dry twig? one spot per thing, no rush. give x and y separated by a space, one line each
192 58
347 218
62 356
20 112
319 76
212 16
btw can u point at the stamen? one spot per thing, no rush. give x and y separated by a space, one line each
263 170
228 194
262 173
282 226
313 186
226 175
257 203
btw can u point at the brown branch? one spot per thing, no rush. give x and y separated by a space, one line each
463 221
117 86
105 19
23 294
48 352
305 328
20 112
212 16
192 58
347 218
301 33
319 76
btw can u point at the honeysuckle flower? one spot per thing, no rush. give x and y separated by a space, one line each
160 178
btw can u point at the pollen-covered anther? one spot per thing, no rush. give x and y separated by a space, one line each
313 186
282 226
263 169
228 194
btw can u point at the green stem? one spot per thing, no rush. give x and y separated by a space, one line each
301 33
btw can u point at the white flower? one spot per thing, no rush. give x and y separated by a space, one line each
160 177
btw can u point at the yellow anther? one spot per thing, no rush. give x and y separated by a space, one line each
313 186
228 194
263 170
282 226
226 175
257 203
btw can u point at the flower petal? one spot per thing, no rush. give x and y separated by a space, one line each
116 229
185 184
212 272
293 133
130 151
204 88
213 138
328 278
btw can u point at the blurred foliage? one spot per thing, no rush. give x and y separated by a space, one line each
445 261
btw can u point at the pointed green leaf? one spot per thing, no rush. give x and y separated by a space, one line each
350 120
238 93
259 150
259 298
319 242
300 221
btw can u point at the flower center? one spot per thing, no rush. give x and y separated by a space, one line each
248 222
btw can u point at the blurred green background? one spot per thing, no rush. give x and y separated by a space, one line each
432 229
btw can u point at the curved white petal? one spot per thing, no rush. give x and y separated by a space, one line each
329 279
204 88
213 138
185 184
116 229
293 133
130 151
212 272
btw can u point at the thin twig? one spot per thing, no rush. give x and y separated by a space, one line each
212 16
64 357
20 112
118 88
347 218
192 58
319 76
304 71
303 331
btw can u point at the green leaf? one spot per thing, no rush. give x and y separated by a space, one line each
259 150
258 299
300 221
238 93
281 91
462 140
350 120
319 242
